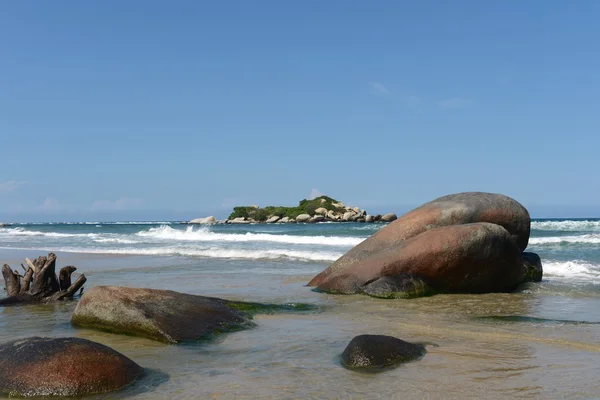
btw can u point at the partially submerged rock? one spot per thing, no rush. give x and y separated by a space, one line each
466 242
471 258
162 315
63 367
372 352
533 266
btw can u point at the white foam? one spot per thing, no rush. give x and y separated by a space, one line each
567 225
571 269
590 239
7 232
251 254
205 235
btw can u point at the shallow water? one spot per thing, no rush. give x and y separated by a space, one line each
543 342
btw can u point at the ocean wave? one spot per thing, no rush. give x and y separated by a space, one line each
589 239
205 235
19 231
571 269
246 254
566 225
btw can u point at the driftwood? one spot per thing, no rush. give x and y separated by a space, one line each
39 282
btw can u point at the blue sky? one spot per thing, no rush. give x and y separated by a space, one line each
174 110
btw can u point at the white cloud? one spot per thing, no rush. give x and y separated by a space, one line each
453 103
9 186
378 88
314 194
124 203
50 204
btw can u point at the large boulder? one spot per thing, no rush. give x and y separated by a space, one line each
63 367
161 315
204 221
369 352
273 219
239 220
455 209
471 258
317 218
303 218
389 217
348 215
321 210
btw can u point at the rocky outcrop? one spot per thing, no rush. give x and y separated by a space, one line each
369 352
240 220
63 367
467 242
204 221
161 315
320 209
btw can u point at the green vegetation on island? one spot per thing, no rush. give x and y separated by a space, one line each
304 207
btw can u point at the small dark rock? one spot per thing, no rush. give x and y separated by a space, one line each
63 367
379 351
533 267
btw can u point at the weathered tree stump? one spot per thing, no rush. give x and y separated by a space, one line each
40 283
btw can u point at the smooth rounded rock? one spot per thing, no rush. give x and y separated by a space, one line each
303 218
456 209
470 258
162 315
389 217
63 367
370 352
204 221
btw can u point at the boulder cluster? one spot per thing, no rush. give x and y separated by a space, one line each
461 243
326 212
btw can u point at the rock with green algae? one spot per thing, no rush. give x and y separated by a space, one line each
533 266
38 366
162 315
376 352
403 286
169 316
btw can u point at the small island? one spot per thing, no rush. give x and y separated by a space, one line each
319 209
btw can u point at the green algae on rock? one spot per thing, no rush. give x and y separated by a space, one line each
168 316
162 315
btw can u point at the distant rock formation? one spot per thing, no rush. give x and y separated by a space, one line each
320 209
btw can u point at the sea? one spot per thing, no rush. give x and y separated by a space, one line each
541 342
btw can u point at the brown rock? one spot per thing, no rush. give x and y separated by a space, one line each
161 315
63 367
461 208
470 258
389 217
